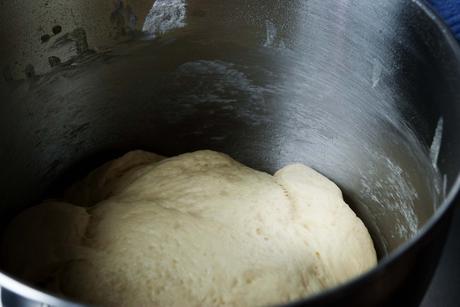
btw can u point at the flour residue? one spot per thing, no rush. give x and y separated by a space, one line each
225 76
222 85
271 33
436 143
377 69
387 185
164 16
272 39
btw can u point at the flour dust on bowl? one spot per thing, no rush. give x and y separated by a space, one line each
363 92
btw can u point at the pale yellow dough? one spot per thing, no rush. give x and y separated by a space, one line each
198 229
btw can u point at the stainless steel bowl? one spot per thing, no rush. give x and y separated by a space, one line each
366 92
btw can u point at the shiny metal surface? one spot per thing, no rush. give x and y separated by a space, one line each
362 91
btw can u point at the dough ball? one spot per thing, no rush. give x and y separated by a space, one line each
198 229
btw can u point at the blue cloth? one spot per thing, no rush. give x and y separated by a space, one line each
449 10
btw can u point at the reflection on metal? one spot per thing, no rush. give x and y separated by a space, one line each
444 186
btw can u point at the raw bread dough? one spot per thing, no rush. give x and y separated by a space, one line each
198 229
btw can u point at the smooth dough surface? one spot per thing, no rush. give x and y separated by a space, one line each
198 229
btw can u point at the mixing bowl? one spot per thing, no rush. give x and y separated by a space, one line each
366 92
